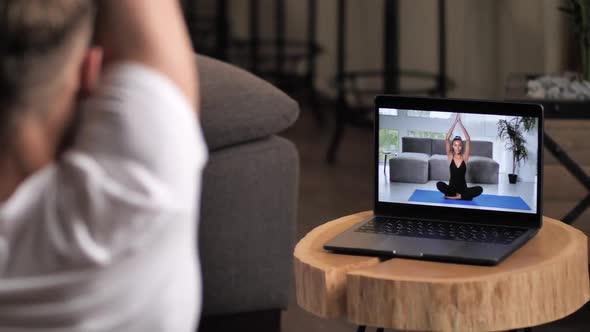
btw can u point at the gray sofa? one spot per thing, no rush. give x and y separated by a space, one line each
425 159
249 198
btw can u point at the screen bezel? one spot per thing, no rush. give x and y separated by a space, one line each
489 217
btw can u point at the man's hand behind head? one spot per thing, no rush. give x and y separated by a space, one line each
41 42
152 33
44 65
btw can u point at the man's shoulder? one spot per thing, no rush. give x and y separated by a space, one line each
117 179
82 211
139 116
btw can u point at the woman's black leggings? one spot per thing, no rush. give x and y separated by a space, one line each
467 194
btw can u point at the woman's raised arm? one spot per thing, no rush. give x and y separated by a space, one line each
447 143
467 141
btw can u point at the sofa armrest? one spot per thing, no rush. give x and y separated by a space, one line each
247 231
237 106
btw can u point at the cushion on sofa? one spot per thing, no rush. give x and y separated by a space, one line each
438 147
255 110
482 148
409 167
418 145
482 170
438 167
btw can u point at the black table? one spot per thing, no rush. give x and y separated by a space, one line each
516 90
568 110
254 51
307 49
391 71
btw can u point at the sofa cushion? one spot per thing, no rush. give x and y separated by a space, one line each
482 170
481 148
418 145
438 146
409 167
438 167
237 106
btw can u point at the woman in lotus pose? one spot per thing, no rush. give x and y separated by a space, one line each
458 158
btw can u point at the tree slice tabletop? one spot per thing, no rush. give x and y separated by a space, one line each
545 280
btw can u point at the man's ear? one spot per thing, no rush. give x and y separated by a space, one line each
90 70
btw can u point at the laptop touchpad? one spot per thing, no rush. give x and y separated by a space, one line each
412 246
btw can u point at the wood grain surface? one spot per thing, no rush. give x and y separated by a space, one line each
545 280
320 277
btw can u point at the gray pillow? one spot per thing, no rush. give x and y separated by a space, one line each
438 147
418 145
237 106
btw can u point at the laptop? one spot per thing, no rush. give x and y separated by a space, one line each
451 202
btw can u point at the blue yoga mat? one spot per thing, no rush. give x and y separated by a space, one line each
496 201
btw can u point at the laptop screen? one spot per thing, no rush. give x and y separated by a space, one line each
458 160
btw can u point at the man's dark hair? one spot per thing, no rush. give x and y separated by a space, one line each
35 38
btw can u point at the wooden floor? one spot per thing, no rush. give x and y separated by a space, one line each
328 192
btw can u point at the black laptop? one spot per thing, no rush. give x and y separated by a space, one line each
456 202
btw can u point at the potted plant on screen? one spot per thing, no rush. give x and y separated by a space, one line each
512 131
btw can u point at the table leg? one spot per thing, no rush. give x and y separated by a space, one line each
280 26
384 164
576 171
254 32
442 50
311 60
341 103
391 46
222 41
190 12
362 328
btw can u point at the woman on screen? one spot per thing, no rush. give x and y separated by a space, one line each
458 159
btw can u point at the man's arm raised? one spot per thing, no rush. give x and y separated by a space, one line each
152 33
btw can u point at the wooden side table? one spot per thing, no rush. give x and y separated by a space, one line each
545 280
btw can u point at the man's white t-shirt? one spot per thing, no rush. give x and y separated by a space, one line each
106 239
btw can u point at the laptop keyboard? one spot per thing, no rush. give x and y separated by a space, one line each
442 230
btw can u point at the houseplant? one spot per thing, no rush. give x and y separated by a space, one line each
512 131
